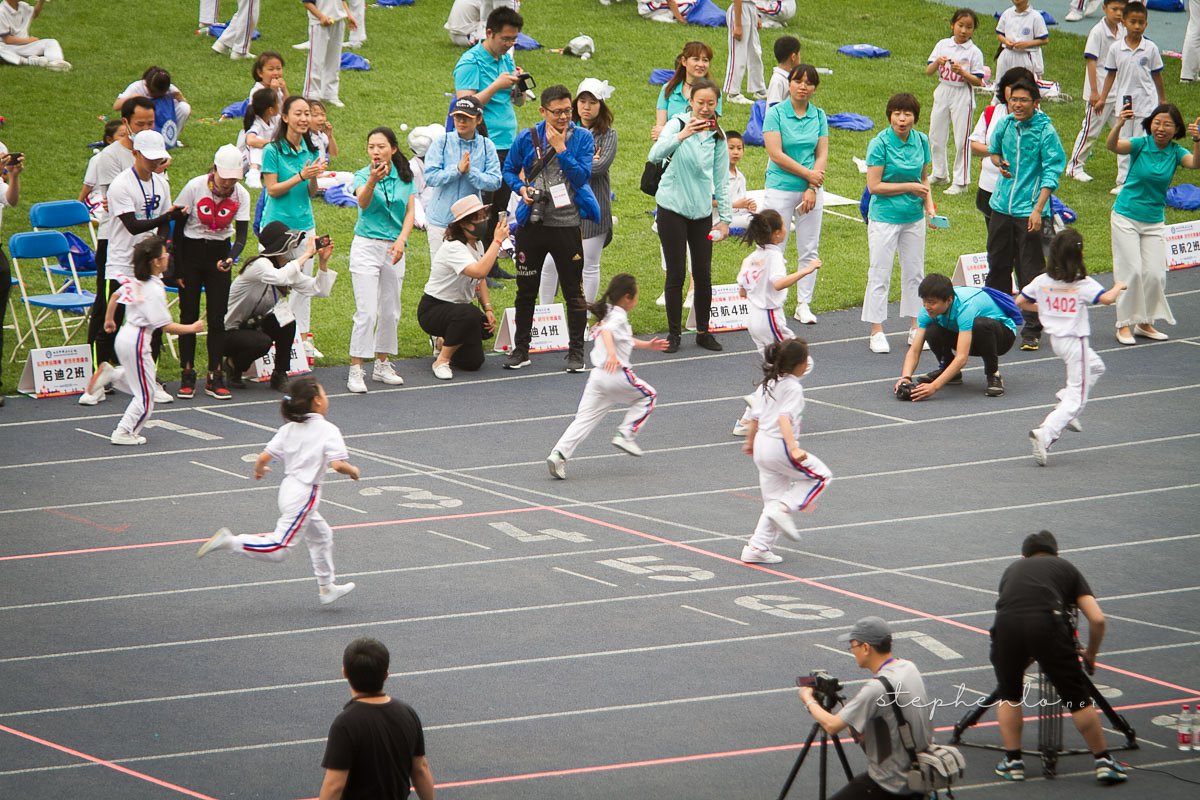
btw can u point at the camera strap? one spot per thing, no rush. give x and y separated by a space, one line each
543 159
902 726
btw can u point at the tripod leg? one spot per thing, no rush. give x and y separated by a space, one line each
787 786
973 716
1116 720
837 745
824 764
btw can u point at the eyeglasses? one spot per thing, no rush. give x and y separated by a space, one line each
854 645
561 112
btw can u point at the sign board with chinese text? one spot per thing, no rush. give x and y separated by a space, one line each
549 332
971 270
261 369
56 371
729 311
1182 244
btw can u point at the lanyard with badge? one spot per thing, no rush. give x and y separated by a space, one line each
559 195
151 200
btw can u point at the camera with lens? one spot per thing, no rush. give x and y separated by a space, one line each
535 194
826 689
526 84
904 391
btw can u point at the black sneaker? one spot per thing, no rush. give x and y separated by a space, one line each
215 386
187 384
995 387
575 361
1029 343
233 376
499 273
672 344
517 359
708 342
279 381
930 377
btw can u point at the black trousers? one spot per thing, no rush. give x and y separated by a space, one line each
5 288
1045 638
458 324
983 199
680 236
243 346
534 242
197 267
1011 245
863 787
990 339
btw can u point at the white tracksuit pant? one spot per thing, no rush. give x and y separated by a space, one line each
323 74
301 305
604 390
297 514
953 107
358 10
1191 43
745 57
49 49
807 230
238 35
210 12
1084 368
1129 130
592 250
377 286
782 480
1093 122
767 326
883 240
136 375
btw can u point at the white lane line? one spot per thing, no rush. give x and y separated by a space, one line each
1155 625
711 614
342 505
228 418
1155 593
462 541
222 471
838 650
89 433
844 407
585 577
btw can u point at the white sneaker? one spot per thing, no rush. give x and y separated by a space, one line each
1080 176
336 103
621 442
751 555
301 46
384 372
333 591
162 396
804 314
236 56
352 45
59 66
356 379
1115 190
740 428
771 24
94 393
310 349
37 61
86 399
955 188
739 99
254 179
123 438
662 300
557 464
1075 425
221 540
220 48
912 334
879 343
1038 438
442 371
783 520
1073 16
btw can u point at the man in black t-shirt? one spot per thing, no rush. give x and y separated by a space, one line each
1033 623
376 747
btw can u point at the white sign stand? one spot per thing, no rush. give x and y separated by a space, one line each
262 367
729 311
971 270
1182 242
56 371
549 332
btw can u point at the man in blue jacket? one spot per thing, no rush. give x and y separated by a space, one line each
1026 149
549 166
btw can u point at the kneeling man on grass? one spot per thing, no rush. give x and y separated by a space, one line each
958 322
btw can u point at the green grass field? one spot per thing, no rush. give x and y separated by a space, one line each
52 116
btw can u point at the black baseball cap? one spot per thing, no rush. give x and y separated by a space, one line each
468 106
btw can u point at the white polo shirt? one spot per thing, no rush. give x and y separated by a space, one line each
146 200
786 398
758 274
1135 68
966 54
145 303
1062 306
1100 40
307 448
1025 26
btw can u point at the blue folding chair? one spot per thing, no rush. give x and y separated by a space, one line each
75 301
62 214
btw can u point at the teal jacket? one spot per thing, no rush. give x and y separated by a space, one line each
698 172
1035 159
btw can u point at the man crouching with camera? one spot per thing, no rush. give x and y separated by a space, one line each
869 716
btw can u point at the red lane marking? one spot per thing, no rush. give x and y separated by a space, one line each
86 521
837 590
142 545
117 767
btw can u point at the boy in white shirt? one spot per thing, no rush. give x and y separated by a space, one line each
787 58
1095 52
327 20
1022 32
18 47
742 205
1134 66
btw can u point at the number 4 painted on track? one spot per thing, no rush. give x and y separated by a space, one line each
631 564
543 534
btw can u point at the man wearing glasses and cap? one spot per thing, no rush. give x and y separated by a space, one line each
870 717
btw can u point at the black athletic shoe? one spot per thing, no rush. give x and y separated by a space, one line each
930 377
501 274
708 342
575 361
672 344
187 384
995 387
1029 343
215 386
517 359
233 376
279 381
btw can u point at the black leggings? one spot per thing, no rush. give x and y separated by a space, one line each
679 236
197 259
990 339
243 345
458 324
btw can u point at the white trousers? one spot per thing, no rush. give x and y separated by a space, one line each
377 286
322 77
807 228
1129 130
953 107
238 35
358 10
136 375
782 480
661 15
593 248
603 391
297 515
1085 7
745 57
436 237
1084 368
210 12
1093 122
49 49
767 326
1140 260
301 303
1191 43
883 240
1016 58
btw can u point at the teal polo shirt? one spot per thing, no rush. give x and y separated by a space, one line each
478 69
799 135
677 103
902 162
1150 172
968 305
384 217
294 209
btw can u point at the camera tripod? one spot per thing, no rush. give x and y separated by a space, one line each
1050 724
827 703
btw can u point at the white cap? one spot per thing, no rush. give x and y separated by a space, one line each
151 145
228 162
601 90
420 138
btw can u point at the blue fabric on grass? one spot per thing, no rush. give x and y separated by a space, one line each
706 13
863 51
753 135
216 30
1185 196
355 61
526 42
1062 209
394 2
235 110
850 122
339 195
